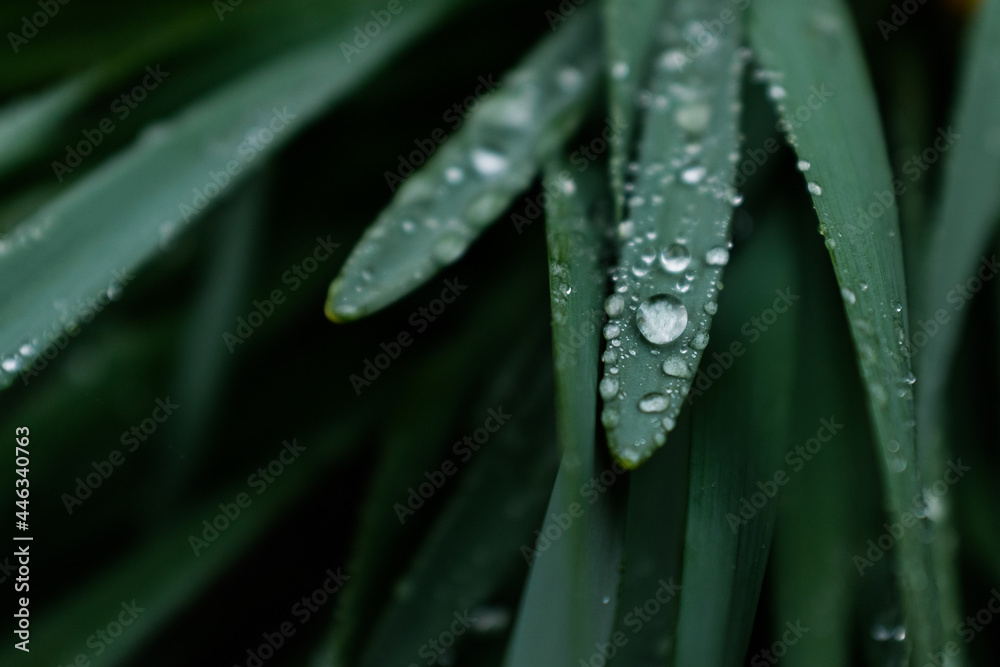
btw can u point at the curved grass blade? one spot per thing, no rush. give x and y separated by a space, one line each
629 39
821 89
91 237
676 238
568 603
740 431
470 552
443 207
955 266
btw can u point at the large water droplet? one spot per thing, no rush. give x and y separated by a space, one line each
654 402
675 258
614 305
677 367
661 319
608 388
717 256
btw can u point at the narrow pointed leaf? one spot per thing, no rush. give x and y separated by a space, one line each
821 89
472 179
107 224
568 602
675 239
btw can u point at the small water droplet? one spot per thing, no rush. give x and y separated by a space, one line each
693 175
693 118
711 308
619 70
608 388
700 341
449 248
610 418
803 165
612 330
675 258
654 402
776 92
408 226
570 79
848 295
661 319
717 256
814 188
610 356
487 162
453 175
605 600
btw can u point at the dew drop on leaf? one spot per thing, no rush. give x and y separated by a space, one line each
661 319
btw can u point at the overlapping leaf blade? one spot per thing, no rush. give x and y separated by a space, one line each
675 239
106 225
569 600
818 80
440 210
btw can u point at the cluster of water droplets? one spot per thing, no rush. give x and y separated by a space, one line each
675 241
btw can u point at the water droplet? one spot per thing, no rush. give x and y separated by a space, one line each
677 367
654 402
619 70
614 305
814 188
605 600
717 256
608 388
11 364
848 295
570 79
673 60
776 92
669 423
610 418
892 445
700 341
449 248
694 118
453 175
863 285
693 175
711 308
408 226
612 330
487 162
897 464
803 165
661 319
675 258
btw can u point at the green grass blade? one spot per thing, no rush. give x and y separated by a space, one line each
629 39
108 223
471 551
820 86
676 238
469 181
740 432
956 259
568 601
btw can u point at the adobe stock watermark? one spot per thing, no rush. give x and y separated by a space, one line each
420 320
246 152
454 115
294 278
796 459
914 168
121 108
556 524
302 611
84 312
635 620
103 638
131 439
363 35
562 183
710 371
463 449
925 505
259 480
779 649
30 25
